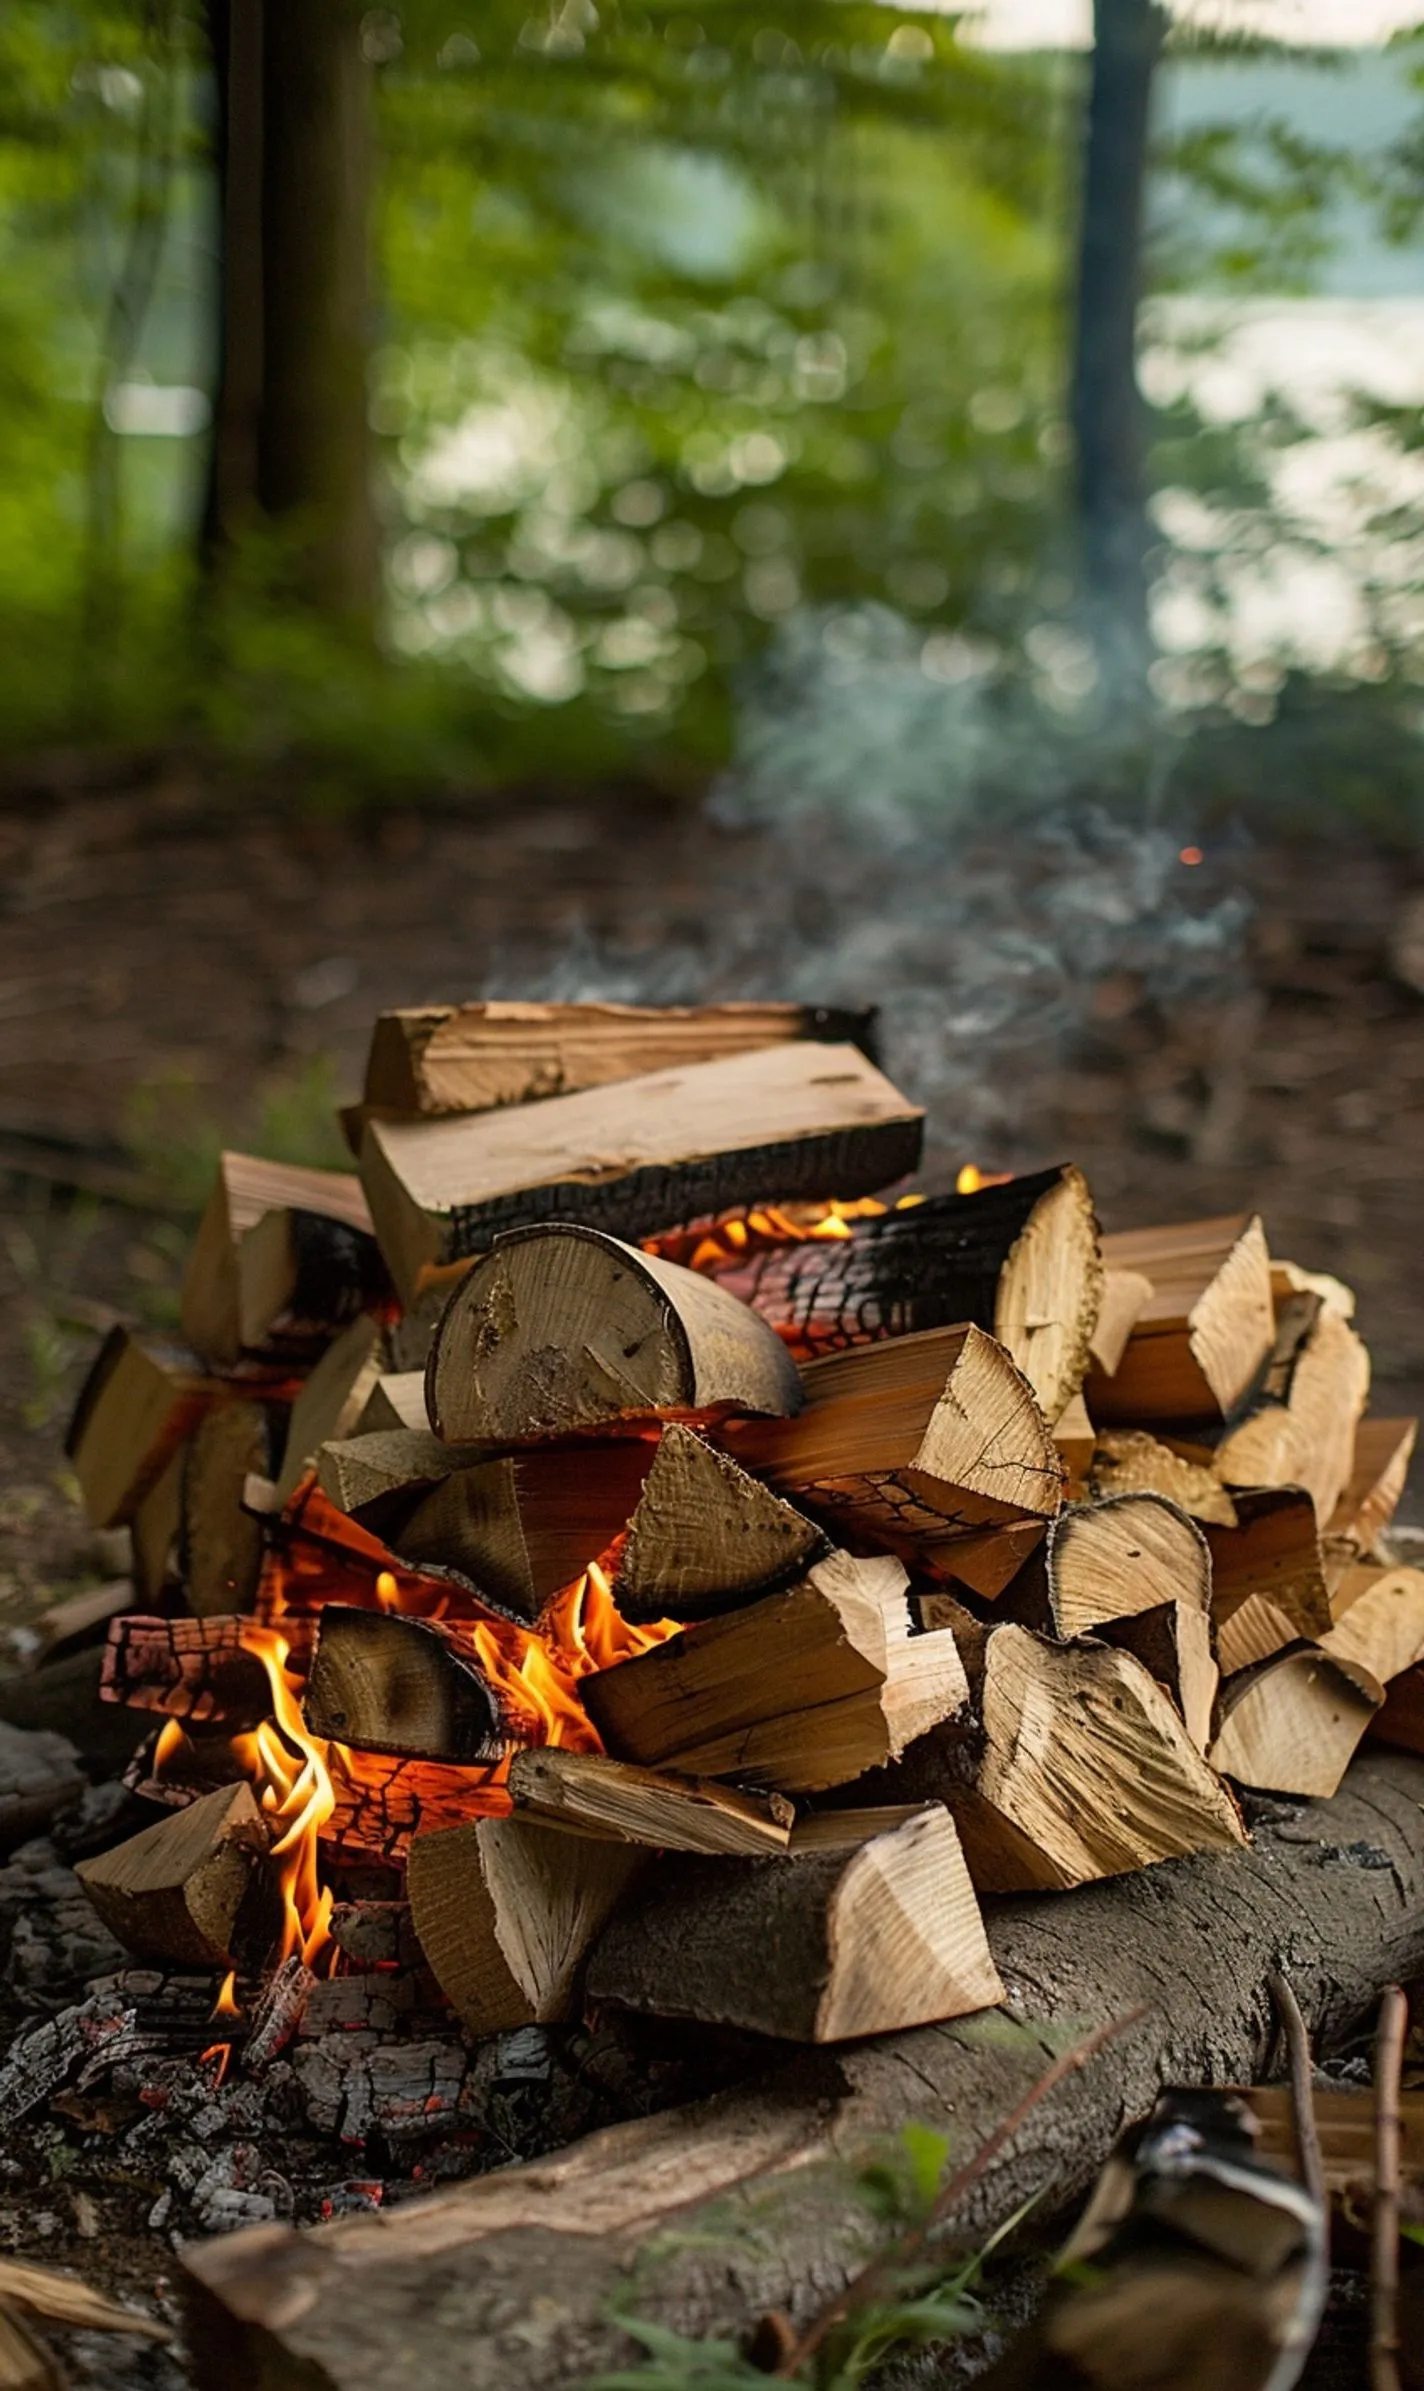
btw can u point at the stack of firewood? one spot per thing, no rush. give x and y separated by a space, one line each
625 1548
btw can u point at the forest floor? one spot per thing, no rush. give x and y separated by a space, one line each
170 970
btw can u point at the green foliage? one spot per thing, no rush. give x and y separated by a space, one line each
175 1131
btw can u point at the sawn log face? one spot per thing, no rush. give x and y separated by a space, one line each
705 2219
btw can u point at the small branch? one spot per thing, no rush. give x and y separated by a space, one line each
1384 2255
863 2287
1302 2077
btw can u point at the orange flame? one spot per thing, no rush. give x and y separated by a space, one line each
226 2004
222 2052
290 1765
970 1179
711 1245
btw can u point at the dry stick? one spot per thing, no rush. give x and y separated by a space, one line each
863 2286
1302 2077
1384 2255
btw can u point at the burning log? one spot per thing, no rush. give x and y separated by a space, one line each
1019 1258
1108 1560
904 1442
414 1688
795 1120
705 1536
331 1401
506 1912
284 1256
1301 1431
1184 1954
562 1329
196 1669
141 1398
1116 1784
219 1542
1383 1452
430 1059
1292 1724
1129 1461
585 1793
383 1804
886 1937
192 1890
1378 1620
801 1691
1206 1331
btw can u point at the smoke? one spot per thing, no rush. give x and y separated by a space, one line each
862 851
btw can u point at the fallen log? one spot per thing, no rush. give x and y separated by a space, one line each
704 2219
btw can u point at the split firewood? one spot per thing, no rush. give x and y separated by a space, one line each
1252 1631
1173 1641
561 1329
1019 1258
1379 1620
433 1059
1109 1559
1301 1431
797 1120
1075 1442
379 1474
1126 1295
1292 1723
397 1400
986 1560
154 1530
195 1669
676 2195
506 1910
586 1793
1383 1452
705 1536
904 1442
526 1525
1273 1552
1200 1340
25 2363
220 1543
40 1776
331 1401
141 1398
1072 1764
801 1691
818 1831
194 1889
1129 1461
1288 1278
868 1942
66 2301
414 1688
283 1256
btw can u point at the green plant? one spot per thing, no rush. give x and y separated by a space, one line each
175 1132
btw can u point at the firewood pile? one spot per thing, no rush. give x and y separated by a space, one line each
625 1550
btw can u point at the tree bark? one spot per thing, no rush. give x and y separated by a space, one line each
1106 410
705 2219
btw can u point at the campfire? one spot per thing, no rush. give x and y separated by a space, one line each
628 1551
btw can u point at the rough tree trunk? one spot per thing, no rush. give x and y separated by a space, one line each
1105 406
706 2218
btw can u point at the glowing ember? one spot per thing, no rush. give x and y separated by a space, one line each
733 1237
970 1179
222 2053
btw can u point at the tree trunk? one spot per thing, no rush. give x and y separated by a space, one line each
290 442
1105 405
704 2219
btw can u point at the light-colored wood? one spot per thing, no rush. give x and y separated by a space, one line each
387 1682
153 1534
25 2364
1273 1551
801 1691
331 1401
64 2300
377 1468
526 1525
795 1120
1074 1438
1384 1449
905 1441
245 1273
1200 1339
1379 1620
886 1936
1129 1461
706 1537
1050 1291
433 1059
1292 1723
587 1793
505 1911
142 1397
986 1560
397 1400
847 1830
1110 1559
1306 1435
220 1543
1173 1641
564 1329
1126 1295
176 1891
1288 1278
1252 1631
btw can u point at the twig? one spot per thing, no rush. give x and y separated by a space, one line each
1302 2077
1384 2254
863 2287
